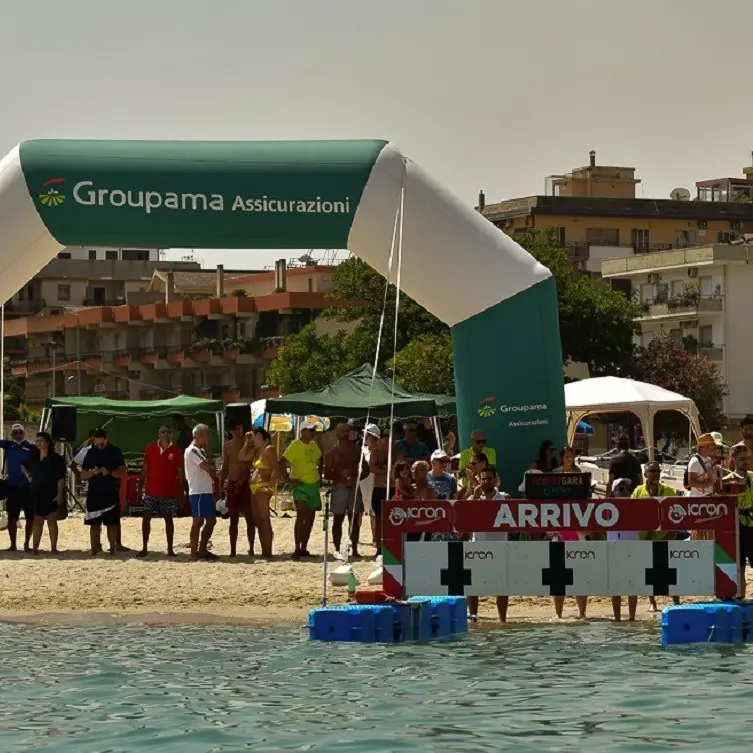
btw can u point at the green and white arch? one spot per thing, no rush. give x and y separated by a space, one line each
500 302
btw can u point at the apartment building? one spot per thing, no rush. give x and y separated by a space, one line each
185 340
79 281
597 215
701 297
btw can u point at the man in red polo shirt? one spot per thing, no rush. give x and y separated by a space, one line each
161 484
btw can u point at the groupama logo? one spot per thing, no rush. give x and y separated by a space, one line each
485 407
49 194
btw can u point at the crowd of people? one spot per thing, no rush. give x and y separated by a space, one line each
179 475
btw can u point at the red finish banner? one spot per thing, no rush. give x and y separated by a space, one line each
535 516
412 516
699 513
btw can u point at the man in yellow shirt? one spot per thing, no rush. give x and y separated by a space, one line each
478 446
304 458
652 489
740 482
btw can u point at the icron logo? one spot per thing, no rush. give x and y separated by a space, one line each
684 554
579 554
704 512
49 195
421 516
479 555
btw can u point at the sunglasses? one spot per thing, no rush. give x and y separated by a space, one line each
479 441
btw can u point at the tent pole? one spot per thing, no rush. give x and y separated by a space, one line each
437 431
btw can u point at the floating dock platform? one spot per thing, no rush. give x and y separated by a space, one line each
421 618
729 622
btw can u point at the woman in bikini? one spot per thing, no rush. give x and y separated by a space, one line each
263 457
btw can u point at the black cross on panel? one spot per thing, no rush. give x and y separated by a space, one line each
455 576
557 576
661 576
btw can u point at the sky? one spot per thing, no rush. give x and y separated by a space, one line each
484 94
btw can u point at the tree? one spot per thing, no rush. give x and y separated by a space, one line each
597 323
666 364
425 365
309 361
597 326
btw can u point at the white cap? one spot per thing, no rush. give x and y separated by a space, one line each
373 430
439 455
310 425
17 427
622 482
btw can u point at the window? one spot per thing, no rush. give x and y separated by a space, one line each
225 331
726 237
241 329
639 240
64 292
135 254
603 236
64 255
686 238
676 336
648 291
111 255
677 288
98 296
705 286
92 254
706 335
559 236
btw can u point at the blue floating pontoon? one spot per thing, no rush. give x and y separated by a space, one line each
421 618
713 622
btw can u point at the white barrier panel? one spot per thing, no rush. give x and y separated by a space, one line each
538 568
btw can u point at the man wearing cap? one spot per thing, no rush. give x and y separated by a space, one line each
372 434
161 483
17 450
445 485
704 478
304 460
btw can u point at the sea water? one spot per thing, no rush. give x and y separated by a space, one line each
597 687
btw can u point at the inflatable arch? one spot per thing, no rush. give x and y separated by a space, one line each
500 302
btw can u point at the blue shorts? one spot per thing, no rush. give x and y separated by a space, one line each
202 505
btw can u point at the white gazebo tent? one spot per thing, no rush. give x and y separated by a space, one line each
614 395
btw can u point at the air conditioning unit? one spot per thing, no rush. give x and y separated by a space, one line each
654 278
693 272
703 224
736 224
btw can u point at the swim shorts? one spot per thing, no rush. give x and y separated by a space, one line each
162 507
202 505
344 500
309 494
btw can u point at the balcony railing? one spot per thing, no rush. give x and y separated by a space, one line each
711 351
681 304
116 301
25 307
577 249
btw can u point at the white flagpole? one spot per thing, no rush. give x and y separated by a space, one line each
2 370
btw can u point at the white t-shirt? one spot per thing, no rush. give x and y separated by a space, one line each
702 466
199 481
490 535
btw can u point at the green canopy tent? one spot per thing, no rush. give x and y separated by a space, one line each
132 424
352 396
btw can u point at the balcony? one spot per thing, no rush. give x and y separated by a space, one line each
209 307
95 318
176 354
238 306
122 358
126 315
227 392
712 352
97 301
92 361
686 304
154 312
151 356
182 310
202 350
25 308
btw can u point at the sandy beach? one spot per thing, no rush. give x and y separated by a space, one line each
73 586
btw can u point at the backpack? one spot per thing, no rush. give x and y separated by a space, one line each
685 475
